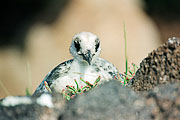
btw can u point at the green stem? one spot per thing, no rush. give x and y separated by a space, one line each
4 88
125 39
29 88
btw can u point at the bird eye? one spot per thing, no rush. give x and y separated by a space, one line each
77 45
97 45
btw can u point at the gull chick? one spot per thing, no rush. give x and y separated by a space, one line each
86 64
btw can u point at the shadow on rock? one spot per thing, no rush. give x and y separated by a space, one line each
109 101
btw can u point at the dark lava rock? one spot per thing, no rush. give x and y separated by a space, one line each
165 102
33 111
161 66
21 112
110 101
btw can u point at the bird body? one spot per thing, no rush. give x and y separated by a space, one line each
85 48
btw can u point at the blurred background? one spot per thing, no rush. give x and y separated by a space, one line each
35 35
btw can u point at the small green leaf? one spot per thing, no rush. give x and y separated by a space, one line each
68 97
78 89
97 80
71 88
82 80
27 92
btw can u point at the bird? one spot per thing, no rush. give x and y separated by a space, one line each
86 64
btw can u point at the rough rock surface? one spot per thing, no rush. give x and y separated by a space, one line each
161 66
165 102
110 101
33 111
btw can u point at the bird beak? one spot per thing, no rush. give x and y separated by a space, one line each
88 57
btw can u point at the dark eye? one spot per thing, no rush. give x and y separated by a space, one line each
97 45
77 45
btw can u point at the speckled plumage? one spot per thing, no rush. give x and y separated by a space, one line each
85 48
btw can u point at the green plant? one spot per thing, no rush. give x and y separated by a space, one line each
29 87
71 91
27 92
129 73
4 88
125 41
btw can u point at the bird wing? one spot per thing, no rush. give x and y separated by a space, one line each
57 72
107 67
